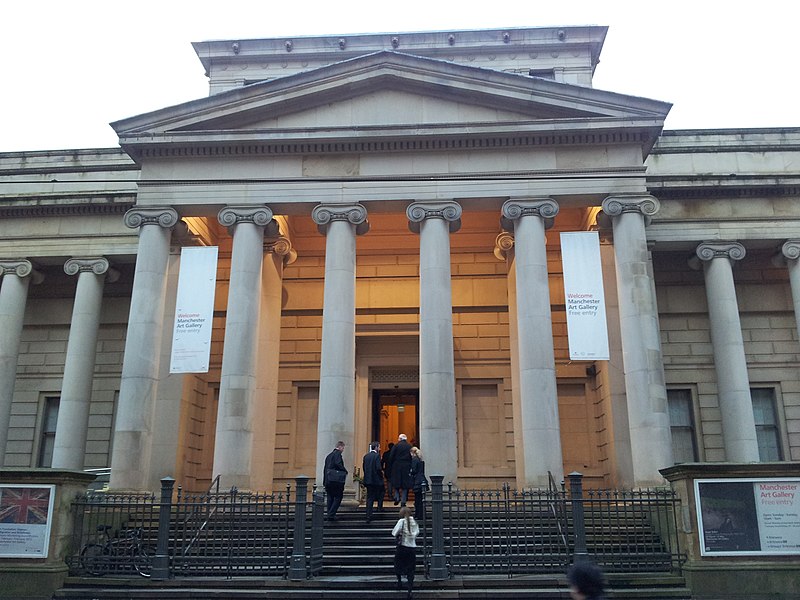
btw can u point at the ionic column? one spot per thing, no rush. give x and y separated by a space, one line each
435 221
541 431
645 388
130 460
791 253
278 254
733 384
233 448
17 275
504 250
335 421
76 388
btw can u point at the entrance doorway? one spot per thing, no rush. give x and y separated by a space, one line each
395 411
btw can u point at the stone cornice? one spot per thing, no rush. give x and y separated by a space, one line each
139 217
707 251
68 208
503 245
395 139
448 211
516 208
355 214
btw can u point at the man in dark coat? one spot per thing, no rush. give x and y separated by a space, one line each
334 476
373 478
401 469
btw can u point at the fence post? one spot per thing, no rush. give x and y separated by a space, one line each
438 570
298 570
161 559
580 552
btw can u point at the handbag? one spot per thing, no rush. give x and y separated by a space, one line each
399 537
336 476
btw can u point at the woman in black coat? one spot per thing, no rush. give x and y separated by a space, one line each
420 483
401 469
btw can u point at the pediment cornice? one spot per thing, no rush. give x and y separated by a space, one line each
542 109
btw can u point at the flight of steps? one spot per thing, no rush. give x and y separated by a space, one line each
358 563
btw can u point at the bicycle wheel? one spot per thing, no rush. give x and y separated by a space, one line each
94 559
143 560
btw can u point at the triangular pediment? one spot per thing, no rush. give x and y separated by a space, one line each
388 94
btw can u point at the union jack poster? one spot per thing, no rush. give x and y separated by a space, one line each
25 519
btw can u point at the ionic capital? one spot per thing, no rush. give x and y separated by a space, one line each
139 217
503 244
791 249
710 250
355 214
96 265
644 204
516 208
448 211
21 268
231 216
281 246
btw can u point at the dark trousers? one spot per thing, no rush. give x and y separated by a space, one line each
419 504
374 494
335 493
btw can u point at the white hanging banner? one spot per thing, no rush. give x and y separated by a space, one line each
583 292
194 310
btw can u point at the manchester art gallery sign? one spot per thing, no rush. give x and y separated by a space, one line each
748 516
26 515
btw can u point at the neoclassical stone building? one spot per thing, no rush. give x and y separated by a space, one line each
387 210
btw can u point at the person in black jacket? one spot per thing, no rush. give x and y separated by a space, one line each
401 469
386 464
420 483
586 582
373 478
333 479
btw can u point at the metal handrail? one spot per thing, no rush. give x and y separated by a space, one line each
557 508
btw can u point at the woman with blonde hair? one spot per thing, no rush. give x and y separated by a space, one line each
420 486
405 531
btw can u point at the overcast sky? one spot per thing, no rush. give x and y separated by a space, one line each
69 68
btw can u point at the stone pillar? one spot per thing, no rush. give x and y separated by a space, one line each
278 253
504 250
336 418
645 388
236 425
791 253
435 221
541 431
130 460
76 388
17 275
733 384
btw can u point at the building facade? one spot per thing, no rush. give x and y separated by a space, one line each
387 210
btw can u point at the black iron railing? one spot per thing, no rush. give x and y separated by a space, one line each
229 533
543 531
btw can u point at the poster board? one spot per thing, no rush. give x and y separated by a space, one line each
587 331
26 516
752 517
194 310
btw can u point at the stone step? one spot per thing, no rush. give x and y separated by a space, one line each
534 587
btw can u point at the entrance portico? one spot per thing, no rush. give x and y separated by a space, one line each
401 140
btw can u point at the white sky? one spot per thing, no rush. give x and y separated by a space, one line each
69 68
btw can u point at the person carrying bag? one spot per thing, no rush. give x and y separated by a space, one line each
405 531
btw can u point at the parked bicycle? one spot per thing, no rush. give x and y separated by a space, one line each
118 554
